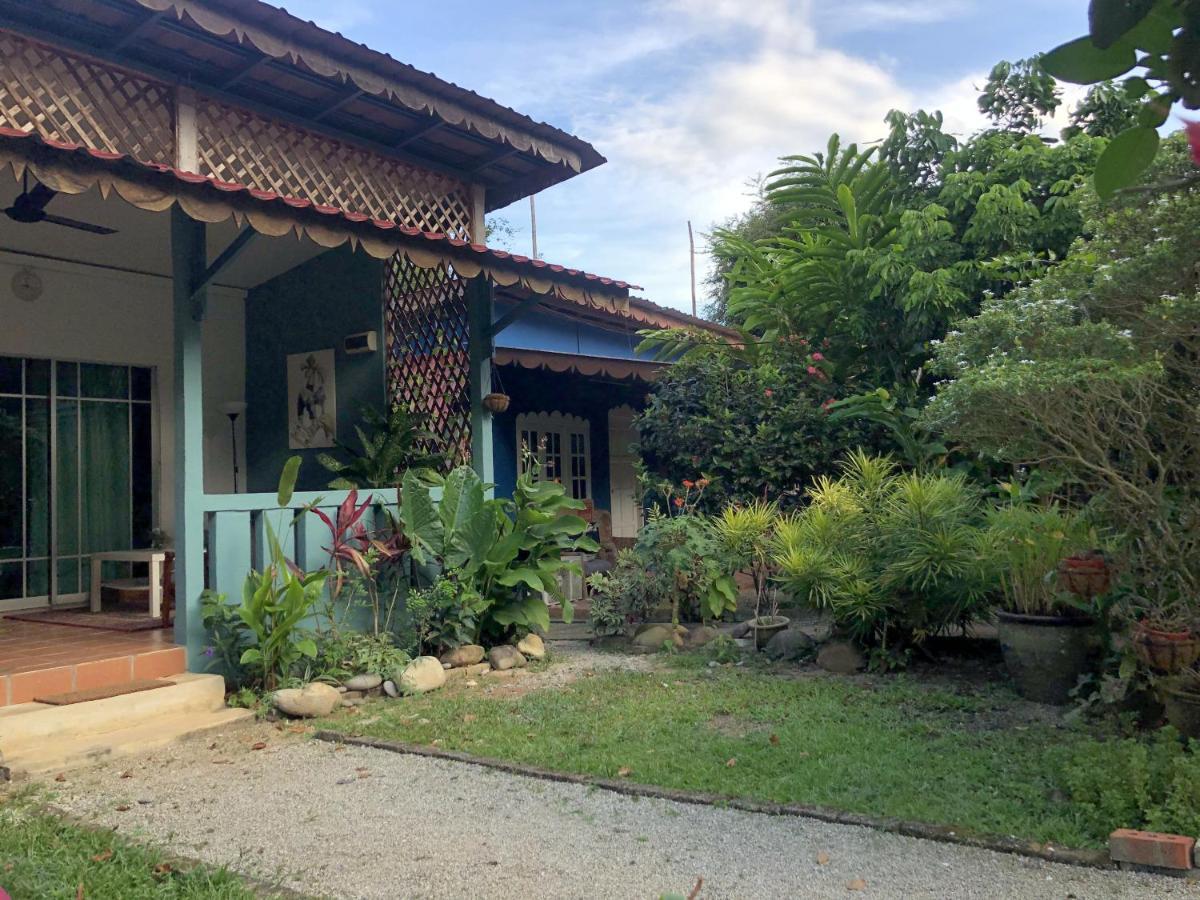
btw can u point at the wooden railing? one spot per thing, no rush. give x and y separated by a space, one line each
235 530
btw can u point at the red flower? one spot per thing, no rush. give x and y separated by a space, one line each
688 484
812 370
679 501
818 356
702 483
1193 134
803 342
768 393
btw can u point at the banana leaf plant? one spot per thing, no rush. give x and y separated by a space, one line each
508 551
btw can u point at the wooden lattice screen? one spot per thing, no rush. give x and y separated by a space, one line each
69 98
425 315
243 147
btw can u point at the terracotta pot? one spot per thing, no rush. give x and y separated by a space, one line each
1085 575
766 627
497 403
1045 655
1165 651
1182 704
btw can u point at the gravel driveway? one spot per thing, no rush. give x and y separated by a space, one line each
358 822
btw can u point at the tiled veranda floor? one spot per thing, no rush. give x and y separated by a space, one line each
40 658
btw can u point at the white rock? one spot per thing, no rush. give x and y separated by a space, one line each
425 673
364 682
532 646
314 699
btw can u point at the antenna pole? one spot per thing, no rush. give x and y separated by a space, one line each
692 258
533 224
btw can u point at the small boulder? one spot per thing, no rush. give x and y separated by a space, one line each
389 688
650 638
469 671
701 635
740 630
841 658
532 646
788 645
506 657
353 695
364 682
421 675
466 655
314 699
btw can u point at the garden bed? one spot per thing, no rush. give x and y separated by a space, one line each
952 750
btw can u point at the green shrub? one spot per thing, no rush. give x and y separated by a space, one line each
624 595
444 615
894 557
1149 784
1025 544
343 654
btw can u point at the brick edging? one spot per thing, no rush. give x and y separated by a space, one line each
1097 859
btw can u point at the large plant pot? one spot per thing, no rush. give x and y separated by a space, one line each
1183 708
1165 651
1045 655
766 627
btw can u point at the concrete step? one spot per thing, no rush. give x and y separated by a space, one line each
29 731
88 749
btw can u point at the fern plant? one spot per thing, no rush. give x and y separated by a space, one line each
389 445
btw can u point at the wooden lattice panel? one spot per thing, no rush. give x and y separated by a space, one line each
425 315
68 98
243 147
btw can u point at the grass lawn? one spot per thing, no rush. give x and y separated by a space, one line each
887 746
45 856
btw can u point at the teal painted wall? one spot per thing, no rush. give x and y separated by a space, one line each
311 307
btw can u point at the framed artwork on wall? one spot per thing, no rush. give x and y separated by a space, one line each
312 400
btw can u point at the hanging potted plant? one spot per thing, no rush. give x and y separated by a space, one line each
496 401
1045 630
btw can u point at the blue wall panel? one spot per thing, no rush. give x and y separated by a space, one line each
311 307
538 390
542 331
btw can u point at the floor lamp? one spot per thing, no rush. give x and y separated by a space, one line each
233 409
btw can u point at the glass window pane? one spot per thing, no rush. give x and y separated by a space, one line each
68 379
104 486
37 578
37 477
12 504
107 382
68 476
37 377
141 470
11 586
140 383
10 375
68 575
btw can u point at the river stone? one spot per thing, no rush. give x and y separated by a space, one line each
389 688
353 695
423 674
468 671
364 682
314 699
789 644
650 638
505 657
841 658
740 630
701 635
466 655
532 646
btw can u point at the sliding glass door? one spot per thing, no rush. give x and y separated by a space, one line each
76 473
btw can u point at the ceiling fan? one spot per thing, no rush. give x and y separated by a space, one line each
30 208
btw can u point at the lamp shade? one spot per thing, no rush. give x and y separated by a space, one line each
234 407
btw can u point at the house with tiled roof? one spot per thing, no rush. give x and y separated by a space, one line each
226 231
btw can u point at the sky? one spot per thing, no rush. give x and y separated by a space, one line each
691 100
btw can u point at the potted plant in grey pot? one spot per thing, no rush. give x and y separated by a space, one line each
1045 631
747 533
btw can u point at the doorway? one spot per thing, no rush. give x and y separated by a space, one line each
76 473
625 496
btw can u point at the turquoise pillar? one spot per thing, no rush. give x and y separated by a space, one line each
188 263
479 331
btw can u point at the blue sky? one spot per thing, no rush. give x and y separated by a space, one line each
690 99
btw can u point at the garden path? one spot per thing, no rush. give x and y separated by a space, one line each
355 822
